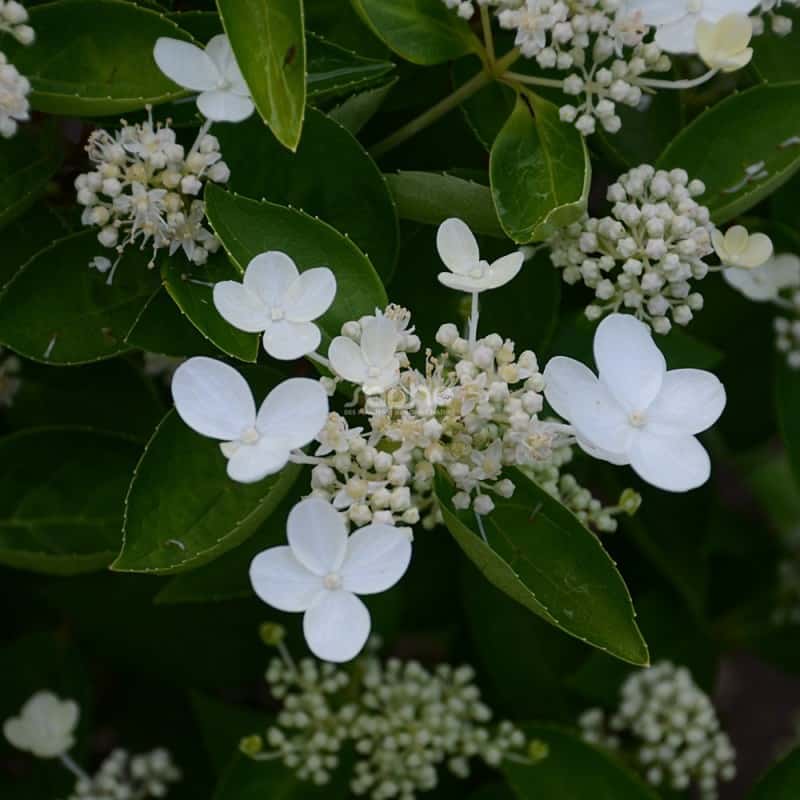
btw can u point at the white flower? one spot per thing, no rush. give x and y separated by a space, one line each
723 45
637 413
322 570
45 726
14 106
765 282
224 96
459 252
737 248
280 301
372 364
215 400
676 20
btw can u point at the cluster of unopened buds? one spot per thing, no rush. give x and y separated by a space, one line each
146 190
768 15
607 47
9 377
14 88
670 728
46 728
404 722
645 255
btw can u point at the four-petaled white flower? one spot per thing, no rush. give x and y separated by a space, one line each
676 20
458 249
322 571
636 412
280 301
738 248
724 45
766 282
224 96
372 364
45 726
214 399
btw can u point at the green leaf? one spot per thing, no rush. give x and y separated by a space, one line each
573 769
334 70
330 176
27 163
104 66
268 39
782 781
358 109
246 228
776 59
183 510
113 396
161 327
720 144
61 498
540 171
787 398
486 111
421 31
540 555
431 198
59 311
191 288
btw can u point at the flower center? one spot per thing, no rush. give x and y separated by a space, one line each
694 6
479 270
637 419
250 436
277 314
332 581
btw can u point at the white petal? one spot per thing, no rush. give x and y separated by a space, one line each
716 9
347 359
690 401
462 283
678 36
386 377
287 341
377 557
213 398
378 341
186 64
337 626
672 463
253 462
457 246
628 361
317 536
311 295
220 52
759 250
294 412
657 12
281 581
575 394
755 284
224 106
241 307
619 459
269 276
505 269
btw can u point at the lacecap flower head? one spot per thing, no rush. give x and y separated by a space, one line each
636 412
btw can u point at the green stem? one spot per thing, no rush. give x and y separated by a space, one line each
452 101
488 38
534 81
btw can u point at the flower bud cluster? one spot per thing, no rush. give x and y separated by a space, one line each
9 377
14 88
403 721
787 337
767 13
125 777
473 411
670 726
145 189
643 256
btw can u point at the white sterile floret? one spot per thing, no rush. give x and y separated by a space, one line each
738 248
224 95
14 105
767 281
458 249
278 300
45 726
323 570
676 21
372 363
724 45
213 399
637 412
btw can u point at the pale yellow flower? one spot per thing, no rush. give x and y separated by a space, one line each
724 45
